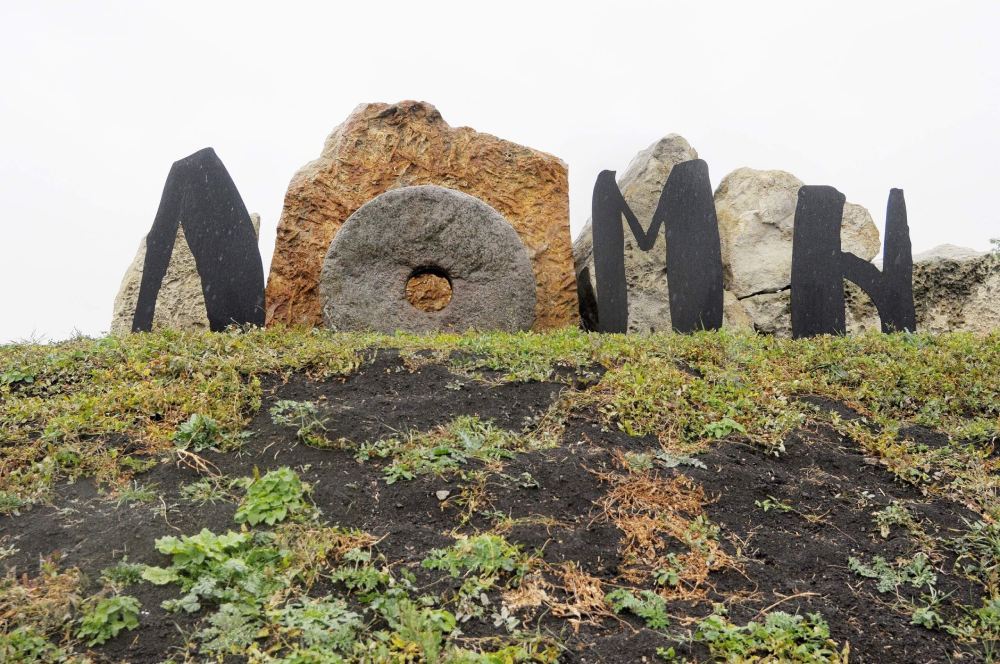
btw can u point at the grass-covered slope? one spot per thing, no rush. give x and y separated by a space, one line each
301 496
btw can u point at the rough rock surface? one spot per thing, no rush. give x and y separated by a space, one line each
180 304
381 147
412 229
756 211
645 271
954 289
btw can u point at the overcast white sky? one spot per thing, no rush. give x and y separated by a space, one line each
97 99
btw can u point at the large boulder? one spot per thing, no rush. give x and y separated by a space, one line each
645 271
422 231
180 303
381 147
954 289
756 211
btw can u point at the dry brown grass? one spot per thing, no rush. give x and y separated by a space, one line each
314 548
566 591
46 602
656 514
584 601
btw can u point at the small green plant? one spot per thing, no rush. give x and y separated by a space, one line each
232 629
207 490
232 567
638 462
782 637
198 433
26 645
11 503
895 514
321 623
123 574
647 605
926 616
358 574
272 498
442 450
304 416
138 465
485 555
772 503
105 619
669 576
669 460
136 493
978 550
722 428
417 628
917 572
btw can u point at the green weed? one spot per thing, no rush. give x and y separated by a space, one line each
782 637
646 605
305 417
198 433
272 498
443 450
917 572
106 618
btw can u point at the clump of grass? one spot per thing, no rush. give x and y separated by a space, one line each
44 602
305 417
443 450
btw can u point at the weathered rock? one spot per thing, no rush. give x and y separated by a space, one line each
645 271
954 289
381 147
756 211
427 230
770 313
180 304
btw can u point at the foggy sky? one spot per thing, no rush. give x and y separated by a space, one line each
97 99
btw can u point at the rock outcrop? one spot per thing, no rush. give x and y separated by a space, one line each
381 147
180 304
955 289
645 271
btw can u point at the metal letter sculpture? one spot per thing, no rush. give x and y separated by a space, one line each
694 260
200 196
819 266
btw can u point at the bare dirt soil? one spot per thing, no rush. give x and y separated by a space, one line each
793 557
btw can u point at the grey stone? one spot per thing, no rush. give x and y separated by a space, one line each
180 303
645 271
756 211
406 230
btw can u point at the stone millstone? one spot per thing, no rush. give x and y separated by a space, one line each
412 230
380 147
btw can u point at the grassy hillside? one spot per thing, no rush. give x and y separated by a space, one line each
302 496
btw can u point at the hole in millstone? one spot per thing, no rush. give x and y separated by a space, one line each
429 289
